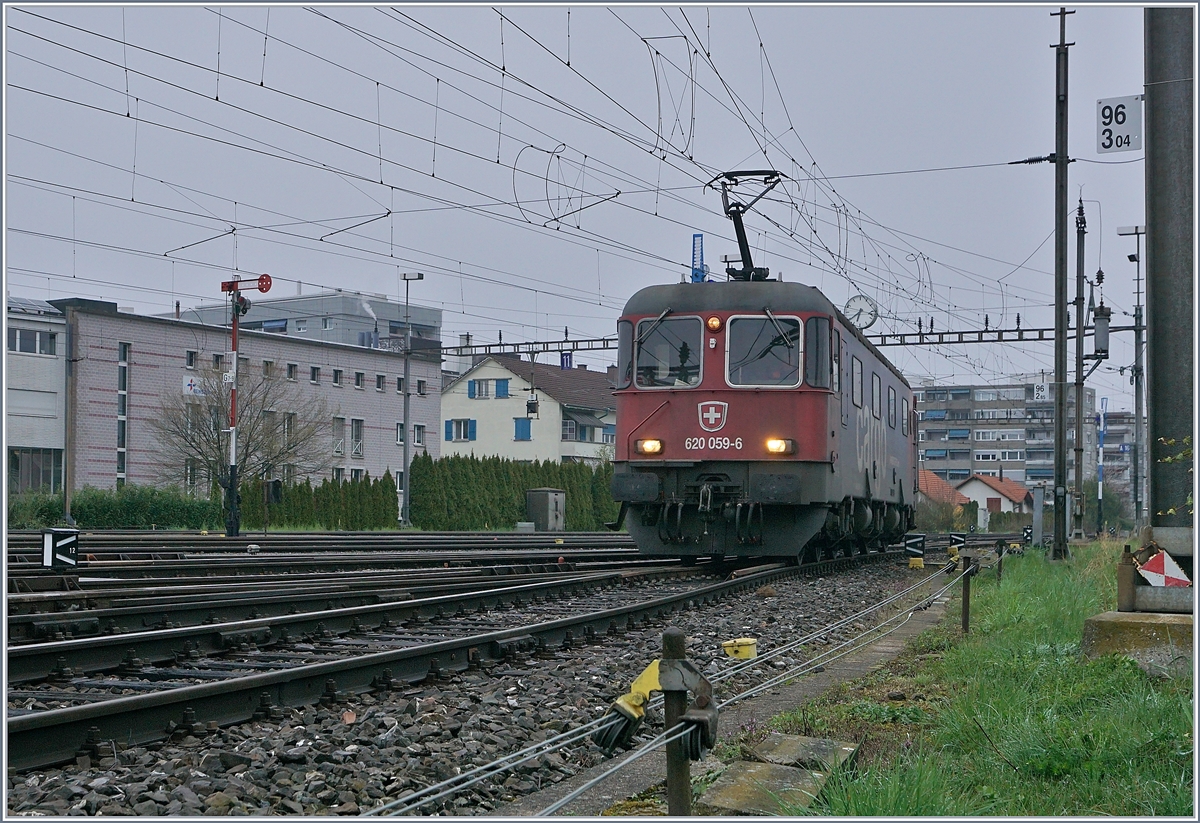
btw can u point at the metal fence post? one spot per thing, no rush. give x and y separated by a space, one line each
968 571
679 779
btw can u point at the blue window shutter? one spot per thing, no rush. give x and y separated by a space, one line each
449 430
470 429
522 428
501 389
471 389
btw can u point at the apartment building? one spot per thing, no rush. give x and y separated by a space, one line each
486 412
35 379
1119 458
123 367
1004 431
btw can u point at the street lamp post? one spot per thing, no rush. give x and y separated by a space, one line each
407 393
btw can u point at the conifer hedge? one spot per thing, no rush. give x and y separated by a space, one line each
459 493
352 505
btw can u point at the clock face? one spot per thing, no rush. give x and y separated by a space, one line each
861 311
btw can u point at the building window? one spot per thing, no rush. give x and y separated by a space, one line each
610 435
399 385
190 474
31 341
337 377
856 381
921 436
189 360
292 368
123 352
359 379
356 475
32 470
960 394
958 434
960 454
339 474
421 387
314 374
522 428
419 435
218 362
460 430
339 435
891 407
380 381
1015 454
568 429
326 323
985 457
301 325
356 438
933 454
268 369
399 434
479 389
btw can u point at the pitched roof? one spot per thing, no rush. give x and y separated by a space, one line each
937 489
578 388
1014 491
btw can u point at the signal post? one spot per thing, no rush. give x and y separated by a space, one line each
238 306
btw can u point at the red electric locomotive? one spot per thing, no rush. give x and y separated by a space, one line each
754 419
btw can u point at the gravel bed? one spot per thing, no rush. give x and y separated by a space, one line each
374 748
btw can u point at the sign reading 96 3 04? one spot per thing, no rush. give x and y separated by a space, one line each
1119 124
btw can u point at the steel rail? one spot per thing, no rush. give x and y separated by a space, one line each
54 736
212 605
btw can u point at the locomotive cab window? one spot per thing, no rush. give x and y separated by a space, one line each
624 354
818 368
856 383
904 417
876 398
891 407
764 351
668 354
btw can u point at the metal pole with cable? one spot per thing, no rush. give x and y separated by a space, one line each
1077 503
1138 376
404 485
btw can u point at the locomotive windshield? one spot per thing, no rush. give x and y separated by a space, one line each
764 351
624 354
669 354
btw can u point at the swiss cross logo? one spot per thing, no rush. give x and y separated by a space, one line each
713 415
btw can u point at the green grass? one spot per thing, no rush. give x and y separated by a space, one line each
1014 720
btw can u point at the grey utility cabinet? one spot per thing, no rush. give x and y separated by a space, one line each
547 508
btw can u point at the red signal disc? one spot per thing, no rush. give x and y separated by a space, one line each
264 283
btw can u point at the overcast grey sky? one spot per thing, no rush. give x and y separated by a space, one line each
541 163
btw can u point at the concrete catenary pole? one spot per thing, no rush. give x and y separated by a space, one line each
1059 550
1170 149
404 484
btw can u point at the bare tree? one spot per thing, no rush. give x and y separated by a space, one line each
280 431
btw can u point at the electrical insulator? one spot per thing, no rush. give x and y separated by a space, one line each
1099 277
531 407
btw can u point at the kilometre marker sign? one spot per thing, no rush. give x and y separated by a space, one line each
1119 124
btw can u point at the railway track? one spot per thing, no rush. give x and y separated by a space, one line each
266 665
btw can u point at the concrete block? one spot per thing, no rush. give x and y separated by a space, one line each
1177 600
1135 632
1177 541
804 752
759 789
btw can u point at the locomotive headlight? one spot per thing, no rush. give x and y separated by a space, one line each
648 446
714 324
779 446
